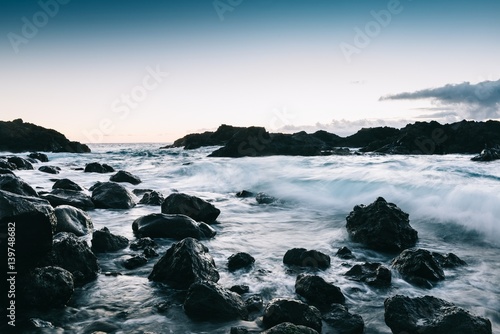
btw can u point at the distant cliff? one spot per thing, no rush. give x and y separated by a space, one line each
18 136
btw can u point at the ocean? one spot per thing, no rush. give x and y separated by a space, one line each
453 203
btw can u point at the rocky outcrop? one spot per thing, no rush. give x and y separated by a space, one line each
69 197
306 258
207 300
344 322
289 328
374 274
381 226
185 263
110 195
488 154
160 225
191 206
95 167
152 198
208 138
430 315
18 136
240 261
16 185
123 176
318 292
67 185
74 220
104 241
294 311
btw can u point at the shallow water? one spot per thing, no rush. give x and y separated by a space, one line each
453 204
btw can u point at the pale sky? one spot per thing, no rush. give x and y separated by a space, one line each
97 70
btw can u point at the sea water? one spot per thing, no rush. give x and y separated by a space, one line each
453 203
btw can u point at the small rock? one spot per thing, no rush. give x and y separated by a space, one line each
49 169
104 241
294 311
67 185
240 261
159 225
39 156
374 274
191 206
343 321
135 262
317 292
263 198
48 287
306 258
110 195
15 185
95 167
123 176
290 328
152 198
21 164
345 253
69 197
74 220
245 194
240 289
143 243
419 267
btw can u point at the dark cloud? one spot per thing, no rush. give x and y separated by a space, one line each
481 100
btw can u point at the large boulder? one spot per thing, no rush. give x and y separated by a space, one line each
160 225
74 220
69 197
42 157
95 167
123 176
110 195
184 263
20 163
318 292
240 261
104 241
191 206
207 300
431 315
16 185
381 226
74 255
419 267
371 273
66 184
306 258
289 328
344 322
47 287
294 311
152 198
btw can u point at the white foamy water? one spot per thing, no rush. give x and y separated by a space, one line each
453 203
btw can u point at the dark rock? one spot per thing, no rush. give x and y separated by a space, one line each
39 156
5 171
488 154
123 176
317 292
69 197
306 258
110 195
374 274
240 261
430 315
74 255
245 194
49 169
150 252
159 225
184 263
449 260
95 167
345 253
240 289
209 301
18 136
289 328
135 262
7 165
100 327
191 206
21 164
104 241
47 287
419 267
74 220
294 311
15 185
67 185
343 321
238 330
263 198
143 243
140 192
254 303
208 138
381 226
152 198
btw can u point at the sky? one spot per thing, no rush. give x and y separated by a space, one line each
153 71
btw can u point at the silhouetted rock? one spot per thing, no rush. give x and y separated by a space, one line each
294 311
15 185
240 289
344 322
207 300
488 154
123 176
49 169
263 198
152 198
69 197
345 253
104 241
67 185
39 156
18 136
135 262
419 267
21 164
74 220
208 138
430 315
184 263
240 261
95 167
374 274
110 195
160 225
191 206
318 292
381 226
289 328
245 194
306 258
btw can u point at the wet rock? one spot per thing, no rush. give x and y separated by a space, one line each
5 171
238 330
184 263
21 164
159 225
207 138
191 206
69 197
7 165
95 167
135 262
99 327
374 274
74 255
150 252
381 226
263 198
49 169
418 267
152 198
15 185
289 328
47 287
254 303
488 154
67 185
294 311
240 289
343 321
240 261
110 195
39 156
104 241
74 220
245 194
306 258
123 176
449 260
318 292
209 301
430 315
345 253
143 243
